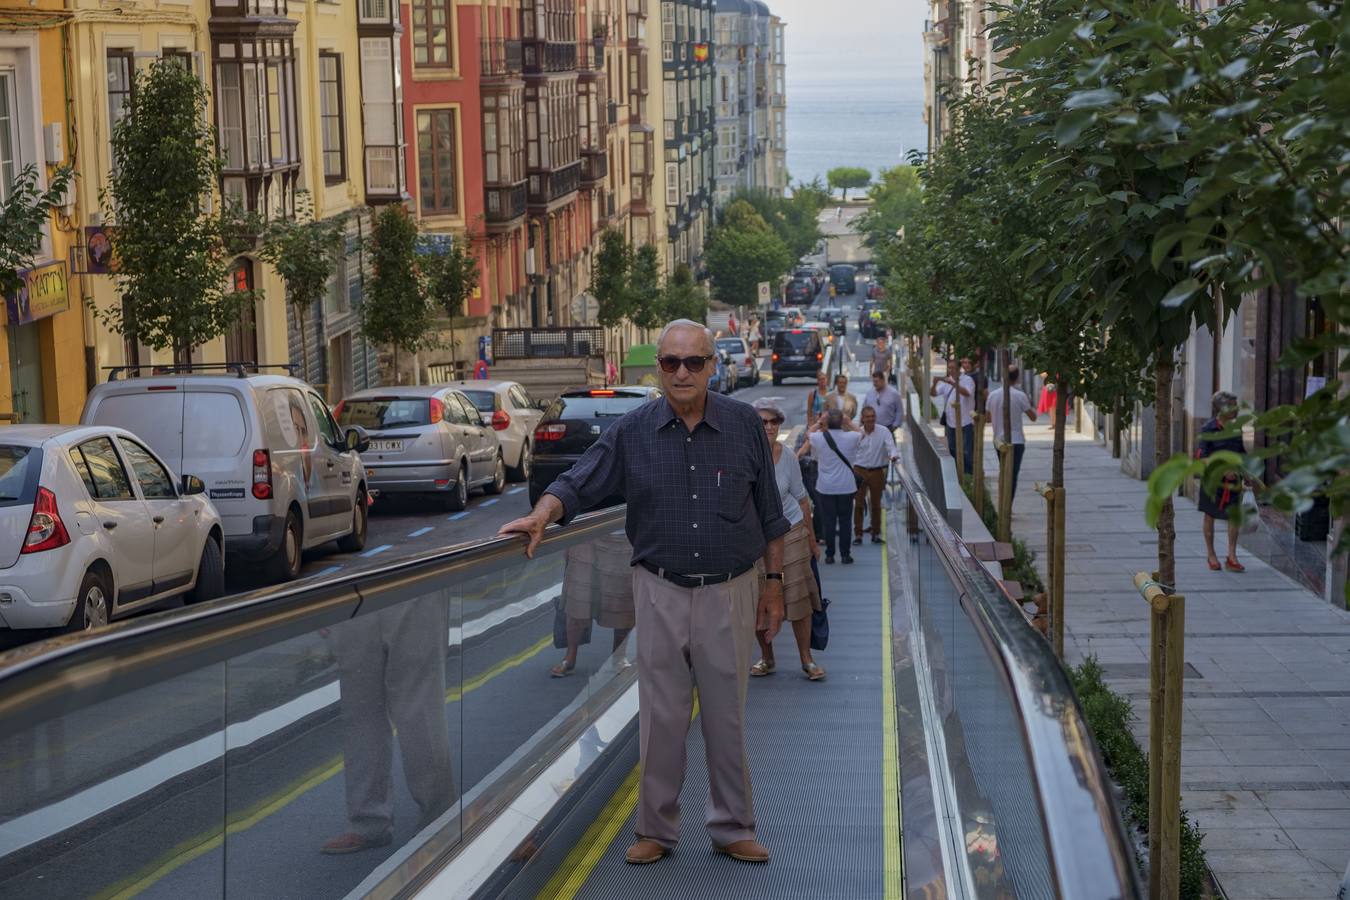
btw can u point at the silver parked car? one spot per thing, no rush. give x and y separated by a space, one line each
425 440
506 408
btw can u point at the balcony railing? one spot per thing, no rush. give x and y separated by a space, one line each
545 187
591 56
502 56
594 165
541 56
505 203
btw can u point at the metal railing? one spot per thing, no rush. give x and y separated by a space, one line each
1011 793
504 203
216 750
502 56
594 165
547 343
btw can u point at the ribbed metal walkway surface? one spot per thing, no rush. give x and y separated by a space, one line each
816 753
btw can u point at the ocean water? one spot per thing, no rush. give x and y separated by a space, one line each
853 106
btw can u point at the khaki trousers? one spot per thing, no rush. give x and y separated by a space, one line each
687 638
874 482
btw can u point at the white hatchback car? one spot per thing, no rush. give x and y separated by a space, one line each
93 526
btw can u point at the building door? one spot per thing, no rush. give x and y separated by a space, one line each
241 341
25 372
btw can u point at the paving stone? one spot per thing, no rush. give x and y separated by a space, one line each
1282 886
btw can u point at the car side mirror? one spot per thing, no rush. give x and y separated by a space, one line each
356 439
192 485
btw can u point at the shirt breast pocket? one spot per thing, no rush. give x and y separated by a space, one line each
733 494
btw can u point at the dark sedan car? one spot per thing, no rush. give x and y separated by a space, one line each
801 292
575 421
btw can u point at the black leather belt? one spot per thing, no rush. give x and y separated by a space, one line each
693 581
871 468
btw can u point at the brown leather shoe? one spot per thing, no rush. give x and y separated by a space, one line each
645 851
746 851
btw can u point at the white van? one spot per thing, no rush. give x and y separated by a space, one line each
281 472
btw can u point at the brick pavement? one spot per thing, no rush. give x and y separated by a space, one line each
1266 747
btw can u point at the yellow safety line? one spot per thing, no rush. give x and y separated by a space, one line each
188 850
893 873
576 869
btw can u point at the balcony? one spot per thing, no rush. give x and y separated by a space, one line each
591 57
504 204
546 189
594 166
541 57
384 172
502 57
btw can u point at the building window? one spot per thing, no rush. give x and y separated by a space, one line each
256 119
9 133
380 101
667 21
436 162
241 341
672 184
121 70
431 32
335 301
332 120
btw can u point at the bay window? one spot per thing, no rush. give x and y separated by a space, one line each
256 106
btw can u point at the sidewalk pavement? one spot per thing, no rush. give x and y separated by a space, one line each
1266 748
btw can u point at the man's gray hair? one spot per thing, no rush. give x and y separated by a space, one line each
1222 402
834 418
687 323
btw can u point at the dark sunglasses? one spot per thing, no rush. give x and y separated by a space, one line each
692 364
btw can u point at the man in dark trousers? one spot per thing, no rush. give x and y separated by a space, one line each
704 519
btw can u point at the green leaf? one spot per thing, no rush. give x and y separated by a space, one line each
1180 293
1163 483
1093 99
1071 126
1236 68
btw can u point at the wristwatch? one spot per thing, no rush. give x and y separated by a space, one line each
774 576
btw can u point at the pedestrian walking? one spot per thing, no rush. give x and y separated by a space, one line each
597 587
1228 494
801 590
818 398
946 388
879 357
885 399
1049 395
833 443
1020 406
705 522
876 449
841 399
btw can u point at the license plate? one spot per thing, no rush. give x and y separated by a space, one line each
387 446
796 358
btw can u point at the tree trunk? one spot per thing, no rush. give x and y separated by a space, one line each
1057 457
398 376
304 342
1162 449
454 355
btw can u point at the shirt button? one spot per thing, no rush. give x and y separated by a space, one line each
695 524
691 468
688 440
696 496
695 556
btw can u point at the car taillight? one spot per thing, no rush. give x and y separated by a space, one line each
602 393
437 410
555 432
262 474
819 357
775 358
46 531
749 360
501 420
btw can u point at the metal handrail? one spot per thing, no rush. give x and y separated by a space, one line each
1066 765
57 676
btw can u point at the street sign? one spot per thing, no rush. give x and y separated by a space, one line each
764 293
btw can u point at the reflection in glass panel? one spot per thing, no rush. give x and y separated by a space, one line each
122 797
347 750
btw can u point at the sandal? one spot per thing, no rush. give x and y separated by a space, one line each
1233 565
762 668
813 672
563 669
1214 566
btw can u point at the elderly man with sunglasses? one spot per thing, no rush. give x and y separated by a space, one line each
706 522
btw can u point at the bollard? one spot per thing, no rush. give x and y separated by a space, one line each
1054 562
977 467
1166 668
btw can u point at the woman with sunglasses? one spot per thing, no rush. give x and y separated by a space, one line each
801 591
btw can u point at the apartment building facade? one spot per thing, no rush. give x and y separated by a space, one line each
687 73
750 100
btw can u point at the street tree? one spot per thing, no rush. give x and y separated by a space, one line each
682 297
844 178
451 279
22 216
742 252
795 219
609 278
644 289
305 252
173 251
895 196
396 310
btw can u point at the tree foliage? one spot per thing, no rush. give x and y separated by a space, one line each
682 297
22 215
644 287
173 252
396 311
844 178
795 219
609 278
451 278
304 251
896 197
742 252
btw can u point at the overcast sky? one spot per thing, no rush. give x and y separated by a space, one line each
892 27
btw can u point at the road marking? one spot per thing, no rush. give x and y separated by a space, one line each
515 490
379 549
892 871
421 531
325 572
489 502
457 516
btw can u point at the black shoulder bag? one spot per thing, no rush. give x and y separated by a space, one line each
857 479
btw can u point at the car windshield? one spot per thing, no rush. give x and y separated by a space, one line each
731 345
798 339
385 412
596 406
481 399
16 469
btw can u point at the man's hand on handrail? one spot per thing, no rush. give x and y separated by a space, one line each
548 510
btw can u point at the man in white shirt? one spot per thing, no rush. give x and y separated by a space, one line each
1020 406
876 449
945 389
835 486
